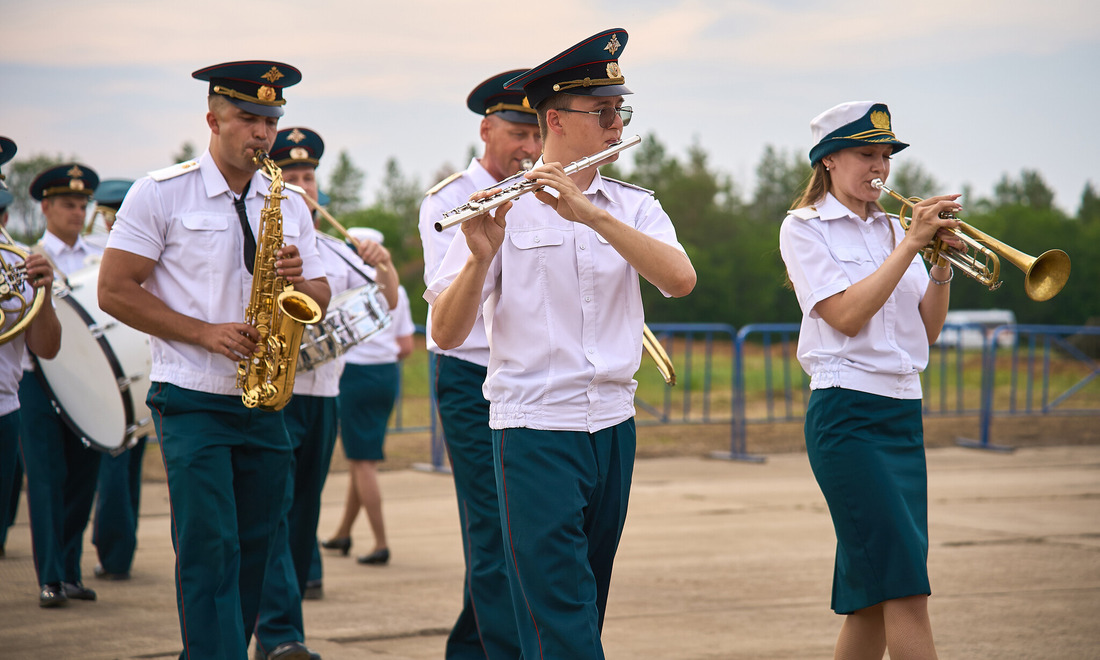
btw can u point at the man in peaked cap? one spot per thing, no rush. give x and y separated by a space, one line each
485 627
311 418
61 470
178 266
555 275
43 337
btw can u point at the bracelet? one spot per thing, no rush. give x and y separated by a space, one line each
950 277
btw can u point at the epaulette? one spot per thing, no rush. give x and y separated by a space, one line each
627 185
804 213
443 184
173 171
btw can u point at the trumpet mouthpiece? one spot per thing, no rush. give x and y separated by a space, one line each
877 183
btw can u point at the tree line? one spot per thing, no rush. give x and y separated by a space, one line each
731 234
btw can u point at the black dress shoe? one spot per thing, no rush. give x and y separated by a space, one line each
343 544
52 596
378 557
290 651
314 590
77 591
103 574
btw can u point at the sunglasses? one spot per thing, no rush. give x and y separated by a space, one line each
607 115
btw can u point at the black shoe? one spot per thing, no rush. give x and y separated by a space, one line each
103 574
314 590
288 651
52 596
378 557
343 544
77 591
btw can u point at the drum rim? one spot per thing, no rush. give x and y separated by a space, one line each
116 370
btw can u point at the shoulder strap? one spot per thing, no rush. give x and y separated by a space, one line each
443 184
173 171
805 213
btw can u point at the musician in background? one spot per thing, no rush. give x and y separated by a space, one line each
118 490
178 266
61 470
870 311
42 336
311 421
555 274
368 392
485 627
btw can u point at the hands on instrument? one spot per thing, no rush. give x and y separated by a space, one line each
39 271
935 218
570 203
485 232
235 341
289 264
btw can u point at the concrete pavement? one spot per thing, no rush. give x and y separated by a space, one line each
718 560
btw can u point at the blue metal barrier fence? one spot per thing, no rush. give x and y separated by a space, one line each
752 376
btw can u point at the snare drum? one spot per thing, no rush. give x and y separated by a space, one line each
99 379
353 316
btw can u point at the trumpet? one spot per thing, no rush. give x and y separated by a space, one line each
474 208
980 256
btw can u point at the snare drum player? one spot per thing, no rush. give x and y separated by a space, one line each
42 336
61 470
178 267
311 420
485 627
555 275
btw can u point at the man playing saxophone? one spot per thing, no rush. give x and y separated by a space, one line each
178 267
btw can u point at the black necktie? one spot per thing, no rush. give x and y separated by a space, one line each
249 239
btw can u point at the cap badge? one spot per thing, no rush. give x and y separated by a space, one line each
526 103
613 70
880 120
613 45
296 136
299 153
265 93
75 172
76 184
272 75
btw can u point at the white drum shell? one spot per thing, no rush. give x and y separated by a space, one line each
100 378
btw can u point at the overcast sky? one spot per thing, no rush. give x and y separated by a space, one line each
980 88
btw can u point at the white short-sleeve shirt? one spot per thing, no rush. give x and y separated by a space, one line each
188 225
452 195
825 255
563 311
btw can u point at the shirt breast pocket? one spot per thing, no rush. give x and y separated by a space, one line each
208 232
533 239
855 260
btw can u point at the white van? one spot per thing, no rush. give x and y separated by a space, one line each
961 327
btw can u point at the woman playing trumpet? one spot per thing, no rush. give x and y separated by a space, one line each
870 311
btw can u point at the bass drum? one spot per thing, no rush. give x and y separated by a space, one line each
353 316
99 379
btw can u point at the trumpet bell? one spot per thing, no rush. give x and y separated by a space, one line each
1047 274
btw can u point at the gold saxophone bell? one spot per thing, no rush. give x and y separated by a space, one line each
980 258
13 278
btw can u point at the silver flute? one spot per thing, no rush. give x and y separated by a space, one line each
470 209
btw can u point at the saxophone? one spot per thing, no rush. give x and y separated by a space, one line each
276 310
